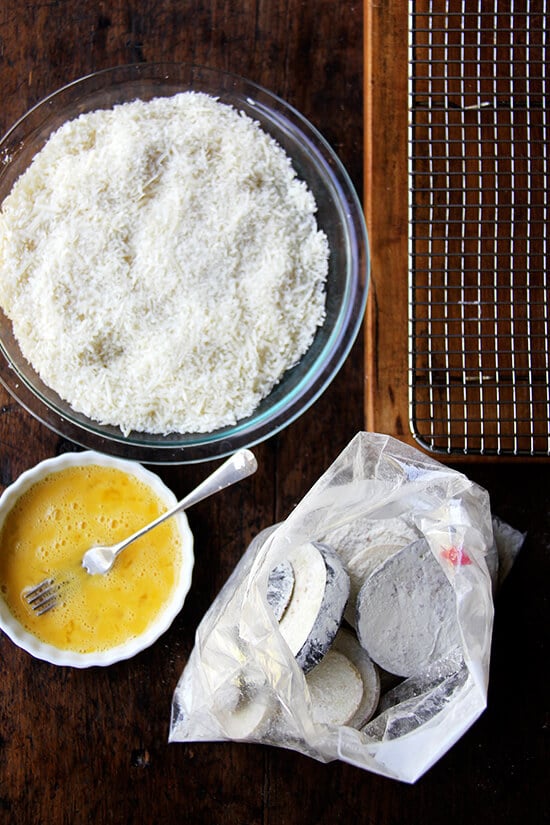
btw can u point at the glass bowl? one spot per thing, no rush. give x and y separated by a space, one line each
26 640
339 215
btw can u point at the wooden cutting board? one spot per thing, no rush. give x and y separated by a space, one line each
457 328
385 201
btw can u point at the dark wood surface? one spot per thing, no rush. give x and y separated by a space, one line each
91 746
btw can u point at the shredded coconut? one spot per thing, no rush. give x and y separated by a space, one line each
162 265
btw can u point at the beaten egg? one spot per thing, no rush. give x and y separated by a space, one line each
46 533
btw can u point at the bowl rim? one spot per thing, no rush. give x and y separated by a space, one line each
58 656
263 423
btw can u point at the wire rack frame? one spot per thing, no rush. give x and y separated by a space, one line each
479 185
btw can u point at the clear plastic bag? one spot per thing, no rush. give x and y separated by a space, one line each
379 499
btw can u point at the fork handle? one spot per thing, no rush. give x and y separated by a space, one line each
238 466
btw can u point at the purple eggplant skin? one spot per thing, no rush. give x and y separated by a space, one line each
280 587
329 618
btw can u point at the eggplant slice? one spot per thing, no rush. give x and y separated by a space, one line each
316 606
406 612
347 644
279 588
335 689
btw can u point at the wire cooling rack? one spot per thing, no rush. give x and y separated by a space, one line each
478 250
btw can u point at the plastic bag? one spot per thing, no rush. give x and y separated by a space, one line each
379 502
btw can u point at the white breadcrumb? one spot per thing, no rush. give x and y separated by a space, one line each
162 265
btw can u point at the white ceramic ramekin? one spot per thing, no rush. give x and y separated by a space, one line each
173 605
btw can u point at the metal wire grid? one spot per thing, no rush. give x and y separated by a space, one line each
478 249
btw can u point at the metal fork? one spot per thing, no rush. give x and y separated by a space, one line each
44 596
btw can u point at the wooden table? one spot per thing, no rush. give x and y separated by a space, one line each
91 746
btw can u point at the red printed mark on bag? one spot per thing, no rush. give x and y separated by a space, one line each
456 555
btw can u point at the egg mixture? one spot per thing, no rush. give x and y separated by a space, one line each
48 531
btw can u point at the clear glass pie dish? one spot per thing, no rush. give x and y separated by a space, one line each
339 215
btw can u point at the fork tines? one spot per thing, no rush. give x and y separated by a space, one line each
42 597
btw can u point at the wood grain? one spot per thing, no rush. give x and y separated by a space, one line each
91 746
386 212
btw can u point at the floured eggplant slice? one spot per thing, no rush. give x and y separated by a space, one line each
318 600
242 706
366 542
428 696
245 719
335 689
280 585
406 612
347 644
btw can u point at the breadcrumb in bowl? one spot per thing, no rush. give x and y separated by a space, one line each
183 434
